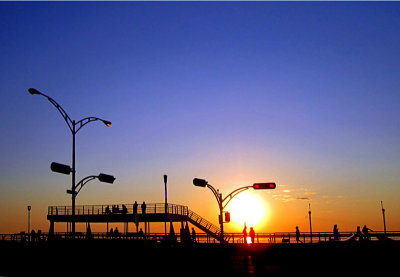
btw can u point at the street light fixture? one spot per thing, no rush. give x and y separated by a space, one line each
223 202
74 127
60 168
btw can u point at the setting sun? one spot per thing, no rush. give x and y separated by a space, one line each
248 208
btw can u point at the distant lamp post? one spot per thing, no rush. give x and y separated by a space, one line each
29 219
223 202
384 218
309 218
166 203
74 127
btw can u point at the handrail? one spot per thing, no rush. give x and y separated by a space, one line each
200 237
151 208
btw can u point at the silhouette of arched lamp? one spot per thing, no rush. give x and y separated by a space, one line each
74 127
105 178
223 202
66 169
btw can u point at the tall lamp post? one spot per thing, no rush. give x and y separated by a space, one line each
29 219
384 218
309 218
166 203
74 127
223 202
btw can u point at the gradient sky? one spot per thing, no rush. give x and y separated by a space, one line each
302 94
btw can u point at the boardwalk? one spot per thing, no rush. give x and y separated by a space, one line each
157 212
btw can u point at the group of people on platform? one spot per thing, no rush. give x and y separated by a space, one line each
116 210
362 235
35 236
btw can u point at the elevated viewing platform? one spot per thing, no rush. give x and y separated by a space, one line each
154 212
125 213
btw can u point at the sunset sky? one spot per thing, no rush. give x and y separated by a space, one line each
306 95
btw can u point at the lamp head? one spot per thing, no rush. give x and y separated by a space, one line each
33 91
200 182
105 178
107 123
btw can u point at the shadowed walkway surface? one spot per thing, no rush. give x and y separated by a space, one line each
124 258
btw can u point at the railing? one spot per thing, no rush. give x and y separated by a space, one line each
280 237
152 208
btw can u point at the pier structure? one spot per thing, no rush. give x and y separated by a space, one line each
131 213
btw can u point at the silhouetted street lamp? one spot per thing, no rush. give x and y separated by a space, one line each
66 169
223 202
29 219
309 218
74 127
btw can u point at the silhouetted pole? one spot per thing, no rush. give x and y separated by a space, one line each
73 189
221 218
384 218
29 219
166 203
309 217
72 127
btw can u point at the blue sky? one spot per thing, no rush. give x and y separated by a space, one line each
305 94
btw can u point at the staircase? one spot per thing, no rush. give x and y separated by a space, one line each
205 225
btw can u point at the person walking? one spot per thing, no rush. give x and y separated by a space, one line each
193 235
365 230
298 235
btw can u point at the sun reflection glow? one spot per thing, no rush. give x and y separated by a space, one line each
247 208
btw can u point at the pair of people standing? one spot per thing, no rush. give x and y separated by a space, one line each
135 207
252 234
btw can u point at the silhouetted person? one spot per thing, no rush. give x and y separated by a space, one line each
298 234
111 232
141 233
252 234
135 208
107 210
143 208
365 230
193 235
33 235
244 232
124 209
116 232
335 232
359 234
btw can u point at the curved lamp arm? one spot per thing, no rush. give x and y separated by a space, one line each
71 124
86 120
234 193
59 108
84 181
216 194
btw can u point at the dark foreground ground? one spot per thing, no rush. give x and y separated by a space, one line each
141 258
